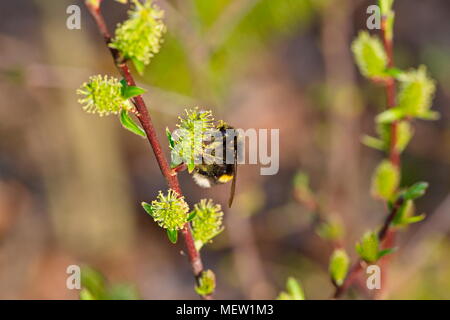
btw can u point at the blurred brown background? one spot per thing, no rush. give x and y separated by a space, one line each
71 183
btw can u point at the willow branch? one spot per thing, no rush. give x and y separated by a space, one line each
394 153
394 156
146 122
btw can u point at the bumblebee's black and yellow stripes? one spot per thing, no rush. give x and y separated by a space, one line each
207 175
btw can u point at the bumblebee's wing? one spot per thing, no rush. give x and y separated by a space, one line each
233 186
233 182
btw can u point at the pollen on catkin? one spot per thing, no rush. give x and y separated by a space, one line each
170 211
190 137
139 38
103 95
207 222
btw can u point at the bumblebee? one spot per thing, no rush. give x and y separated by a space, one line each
208 175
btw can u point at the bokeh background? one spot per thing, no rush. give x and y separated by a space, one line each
71 183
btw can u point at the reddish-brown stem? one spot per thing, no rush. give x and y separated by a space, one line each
146 122
394 153
387 223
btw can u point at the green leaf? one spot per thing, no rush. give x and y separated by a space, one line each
129 92
338 267
429 115
405 215
370 55
405 211
172 235
414 219
169 137
191 216
294 289
147 207
384 252
140 66
390 115
368 247
417 190
385 180
373 143
130 125
394 72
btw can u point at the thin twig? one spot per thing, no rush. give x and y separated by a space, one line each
146 122
383 231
